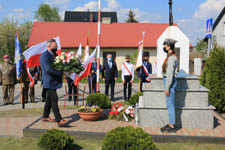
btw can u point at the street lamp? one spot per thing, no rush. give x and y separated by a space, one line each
170 13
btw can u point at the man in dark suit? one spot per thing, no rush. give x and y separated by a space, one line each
92 78
52 80
110 75
144 74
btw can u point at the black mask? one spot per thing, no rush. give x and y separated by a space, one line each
164 49
128 61
54 51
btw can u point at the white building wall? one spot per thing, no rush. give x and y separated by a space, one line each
219 33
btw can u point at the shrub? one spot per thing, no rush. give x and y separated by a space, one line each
213 78
99 99
55 140
128 138
135 98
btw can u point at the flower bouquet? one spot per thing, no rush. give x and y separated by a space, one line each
90 113
68 62
121 112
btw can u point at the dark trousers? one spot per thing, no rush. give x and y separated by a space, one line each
110 82
93 85
43 94
72 89
52 102
143 81
127 80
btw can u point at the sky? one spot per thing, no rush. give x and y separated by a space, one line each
190 15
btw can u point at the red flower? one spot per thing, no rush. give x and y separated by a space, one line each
114 105
116 113
111 113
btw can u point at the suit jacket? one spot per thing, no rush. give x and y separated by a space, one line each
7 74
141 72
109 73
51 78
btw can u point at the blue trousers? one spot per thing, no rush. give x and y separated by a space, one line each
170 101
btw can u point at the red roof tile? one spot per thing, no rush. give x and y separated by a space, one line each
113 35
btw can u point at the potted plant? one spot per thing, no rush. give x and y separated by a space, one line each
90 113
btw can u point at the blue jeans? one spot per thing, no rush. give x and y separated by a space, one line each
170 101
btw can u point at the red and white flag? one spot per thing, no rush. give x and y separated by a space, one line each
139 62
87 68
79 51
33 54
86 54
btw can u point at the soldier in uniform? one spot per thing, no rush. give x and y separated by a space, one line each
26 83
7 80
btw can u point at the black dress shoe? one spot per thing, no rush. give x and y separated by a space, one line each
168 129
6 103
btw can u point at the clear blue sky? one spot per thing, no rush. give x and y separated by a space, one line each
190 15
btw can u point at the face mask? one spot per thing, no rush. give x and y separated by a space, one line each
94 61
54 50
109 59
128 61
164 49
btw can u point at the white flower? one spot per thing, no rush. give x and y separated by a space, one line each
127 111
120 109
68 60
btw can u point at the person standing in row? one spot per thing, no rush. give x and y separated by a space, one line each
52 80
92 78
127 77
7 80
26 83
169 70
72 89
145 71
110 75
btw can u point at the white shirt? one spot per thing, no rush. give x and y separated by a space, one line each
130 67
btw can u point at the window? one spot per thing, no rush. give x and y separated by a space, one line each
224 28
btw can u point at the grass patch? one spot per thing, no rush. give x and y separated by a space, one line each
31 144
30 112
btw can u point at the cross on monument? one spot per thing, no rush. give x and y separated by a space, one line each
170 13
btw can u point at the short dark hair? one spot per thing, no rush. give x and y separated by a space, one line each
127 57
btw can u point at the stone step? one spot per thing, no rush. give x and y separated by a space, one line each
186 117
183 98
182 83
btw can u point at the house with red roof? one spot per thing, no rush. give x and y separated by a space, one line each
119 39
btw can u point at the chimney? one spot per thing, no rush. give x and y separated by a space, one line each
91 17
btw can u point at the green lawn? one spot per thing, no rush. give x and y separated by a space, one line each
31 144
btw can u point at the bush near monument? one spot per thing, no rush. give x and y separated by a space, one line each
135 98
128 138
99 99
213 78
55 140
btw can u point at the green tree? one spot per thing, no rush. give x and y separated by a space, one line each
8 29
47 13
202 48
131 17
213 78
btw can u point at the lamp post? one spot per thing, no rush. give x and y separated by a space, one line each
170 13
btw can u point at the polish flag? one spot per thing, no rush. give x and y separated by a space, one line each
86 50
87 68
140 55
79 51
33 54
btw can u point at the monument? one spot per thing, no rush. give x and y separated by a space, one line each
191 99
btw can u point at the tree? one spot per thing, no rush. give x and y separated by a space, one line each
131 17
213 78
202 48
47 13
8 29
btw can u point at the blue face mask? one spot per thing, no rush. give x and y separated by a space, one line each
94 62
109 59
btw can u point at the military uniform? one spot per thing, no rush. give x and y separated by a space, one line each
26 83
8 80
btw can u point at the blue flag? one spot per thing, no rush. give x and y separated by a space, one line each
18 58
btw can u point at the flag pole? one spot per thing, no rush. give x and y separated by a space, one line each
98 44
21 84
143 37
